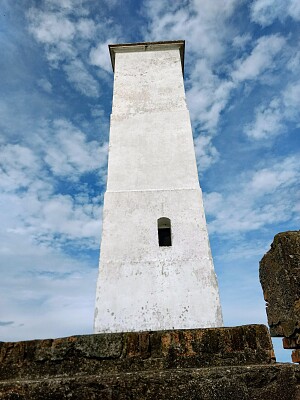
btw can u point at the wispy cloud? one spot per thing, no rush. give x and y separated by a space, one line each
210 34
99 55
262 197
69 41
272 119
50 27
38 210
45 85
82 80
207 96
5 323
203 23
68 152
268 121
260 59
206 153
265 12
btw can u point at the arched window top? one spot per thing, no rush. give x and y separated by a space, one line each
164 231
164 222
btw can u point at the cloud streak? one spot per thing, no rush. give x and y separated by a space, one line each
68 41
265 12
263 197
272 119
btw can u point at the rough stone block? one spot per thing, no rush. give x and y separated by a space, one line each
291 343
255 382
127 352
280 279
296 356
199 364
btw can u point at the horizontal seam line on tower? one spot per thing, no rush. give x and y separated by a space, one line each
154 260
127 115
151 190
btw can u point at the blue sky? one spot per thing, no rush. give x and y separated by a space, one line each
242 80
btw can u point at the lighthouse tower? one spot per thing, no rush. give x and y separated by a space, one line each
156 270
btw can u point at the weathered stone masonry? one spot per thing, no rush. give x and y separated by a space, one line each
219 363
280 279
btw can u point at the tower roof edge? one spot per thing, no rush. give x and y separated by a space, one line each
147 46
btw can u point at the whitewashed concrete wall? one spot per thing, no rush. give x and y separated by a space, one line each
152 173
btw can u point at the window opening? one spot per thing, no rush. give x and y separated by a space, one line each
164 232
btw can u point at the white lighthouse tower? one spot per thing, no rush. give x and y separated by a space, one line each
156 270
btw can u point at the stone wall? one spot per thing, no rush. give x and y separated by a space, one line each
280 280
217 363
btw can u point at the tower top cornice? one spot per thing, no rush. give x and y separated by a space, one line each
147 46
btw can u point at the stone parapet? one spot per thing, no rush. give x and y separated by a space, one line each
129 352
215 363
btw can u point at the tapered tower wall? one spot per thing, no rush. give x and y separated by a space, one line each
152 174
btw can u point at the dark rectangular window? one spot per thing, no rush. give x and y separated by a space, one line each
164 237
164 231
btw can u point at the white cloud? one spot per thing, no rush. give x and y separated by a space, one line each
67 39
260 59
206 153
260 198
267 123
202 23
207 101
293 64
240 41
53 221
244 251
272 119
62 218
213 202
49 27
45 85
265 12
74 7
19 167
59 53
59 146
207 96
44 292
44 288
68 153
83 81
99 56
268 180
112 3
294 9
32 207
86 28
207 27
291 100
65 5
